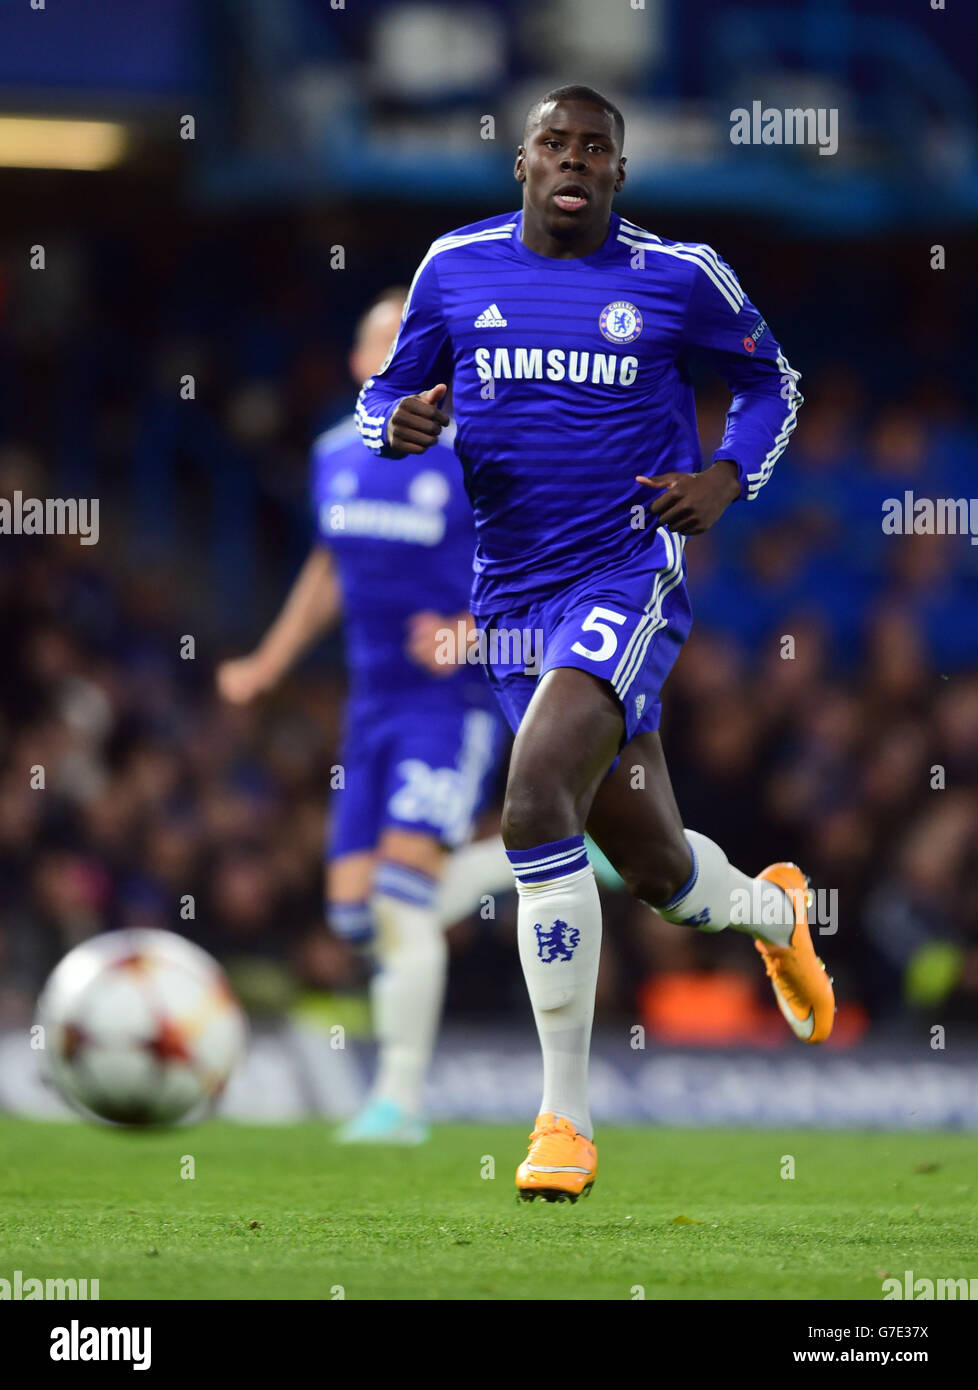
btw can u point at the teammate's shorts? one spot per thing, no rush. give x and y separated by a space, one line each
626 627
422 761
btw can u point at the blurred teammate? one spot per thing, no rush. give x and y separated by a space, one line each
393 556
565 330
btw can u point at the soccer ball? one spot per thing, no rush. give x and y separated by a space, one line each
140 1028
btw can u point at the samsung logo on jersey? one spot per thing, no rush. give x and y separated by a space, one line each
388 521
530 364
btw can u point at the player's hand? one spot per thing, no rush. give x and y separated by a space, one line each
425 647
417 421
691 502
243 680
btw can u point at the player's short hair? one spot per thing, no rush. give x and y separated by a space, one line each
393 294
576 93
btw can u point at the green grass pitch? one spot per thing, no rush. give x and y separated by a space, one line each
281 1212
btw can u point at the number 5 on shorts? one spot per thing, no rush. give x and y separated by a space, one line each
609 638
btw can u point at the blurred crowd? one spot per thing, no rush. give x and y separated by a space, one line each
824 710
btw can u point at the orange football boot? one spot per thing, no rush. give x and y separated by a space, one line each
801 985
560 1164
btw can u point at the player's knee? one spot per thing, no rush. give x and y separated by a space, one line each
414 850
661 872
537 813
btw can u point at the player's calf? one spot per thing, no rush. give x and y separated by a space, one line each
660 874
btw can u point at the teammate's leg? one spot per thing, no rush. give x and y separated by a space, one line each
431 775
471 872
346 895
411 955
352 829
364 855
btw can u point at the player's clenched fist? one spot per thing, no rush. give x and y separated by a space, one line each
417 421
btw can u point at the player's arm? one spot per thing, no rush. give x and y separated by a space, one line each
719 324
399 410
312 607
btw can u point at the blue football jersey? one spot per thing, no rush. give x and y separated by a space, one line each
569 377
402 539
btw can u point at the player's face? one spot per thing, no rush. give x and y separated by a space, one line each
377 332
571 168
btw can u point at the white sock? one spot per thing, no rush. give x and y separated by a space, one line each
717 895
471 873
559 935
407 990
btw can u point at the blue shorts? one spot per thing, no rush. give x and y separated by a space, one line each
422 761
625 626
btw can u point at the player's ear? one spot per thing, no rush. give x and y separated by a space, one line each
519 168
620 180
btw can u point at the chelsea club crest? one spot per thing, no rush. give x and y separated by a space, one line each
620 322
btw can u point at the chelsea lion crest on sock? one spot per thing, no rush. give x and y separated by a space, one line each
557 942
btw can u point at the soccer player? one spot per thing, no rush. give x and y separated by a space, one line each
422 740
565 330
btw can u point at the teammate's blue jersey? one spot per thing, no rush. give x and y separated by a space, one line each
402 540
569 379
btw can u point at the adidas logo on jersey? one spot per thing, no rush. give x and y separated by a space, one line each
490 318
